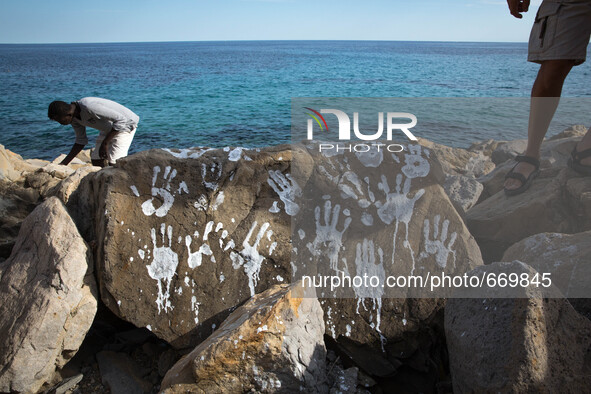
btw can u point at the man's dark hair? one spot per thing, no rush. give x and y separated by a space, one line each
57 108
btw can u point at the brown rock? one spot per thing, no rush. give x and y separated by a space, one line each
273 343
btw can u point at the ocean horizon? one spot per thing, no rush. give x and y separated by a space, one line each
238 93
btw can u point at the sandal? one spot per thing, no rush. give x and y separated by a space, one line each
525 182
574 161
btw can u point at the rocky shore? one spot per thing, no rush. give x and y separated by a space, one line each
172 272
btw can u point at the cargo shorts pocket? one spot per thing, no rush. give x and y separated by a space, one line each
544 29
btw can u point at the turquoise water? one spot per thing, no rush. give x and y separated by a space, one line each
238 93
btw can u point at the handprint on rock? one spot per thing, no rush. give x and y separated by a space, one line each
195 258
164 192
367 265
211 175
249 257
163 267
328 239
352 187
416 165
287 189
398 205
436 246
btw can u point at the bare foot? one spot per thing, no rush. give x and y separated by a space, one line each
522 168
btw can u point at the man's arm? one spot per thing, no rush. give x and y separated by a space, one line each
516 7
104 148
77 148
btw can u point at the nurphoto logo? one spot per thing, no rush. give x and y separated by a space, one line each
395 121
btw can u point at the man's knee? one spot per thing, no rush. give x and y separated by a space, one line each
554 71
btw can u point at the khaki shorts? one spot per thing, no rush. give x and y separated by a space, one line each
561 31
118 147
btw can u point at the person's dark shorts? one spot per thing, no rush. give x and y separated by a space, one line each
561 31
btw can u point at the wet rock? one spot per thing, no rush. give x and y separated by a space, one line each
273 343
530 342
121 374
47 299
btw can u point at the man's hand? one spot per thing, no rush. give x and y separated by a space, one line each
516 7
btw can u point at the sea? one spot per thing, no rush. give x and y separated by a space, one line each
239 93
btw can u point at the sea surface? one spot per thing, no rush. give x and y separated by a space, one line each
239 93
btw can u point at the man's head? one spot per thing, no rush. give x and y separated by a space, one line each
61 112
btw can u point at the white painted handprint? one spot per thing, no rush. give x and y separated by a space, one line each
196 258
328 239
249 257
211 175
287 189
416 165
164 192
436 246
163 267
398 205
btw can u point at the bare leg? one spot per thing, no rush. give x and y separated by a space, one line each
545 96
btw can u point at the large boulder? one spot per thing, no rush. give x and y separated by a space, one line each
47 299
381 215
529 342
183 237
273 343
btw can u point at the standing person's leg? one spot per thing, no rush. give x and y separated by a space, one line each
545 96
558 41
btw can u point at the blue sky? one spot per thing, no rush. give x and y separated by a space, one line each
57 21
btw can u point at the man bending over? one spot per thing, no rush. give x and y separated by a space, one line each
116 123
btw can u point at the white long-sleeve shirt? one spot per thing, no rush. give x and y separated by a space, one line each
103 115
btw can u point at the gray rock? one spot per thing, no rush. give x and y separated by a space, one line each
273 343
508 150
565 258
463 191
47 299
530 342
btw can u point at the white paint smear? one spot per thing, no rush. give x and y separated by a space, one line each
134 190
188 153
235 154
274 208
